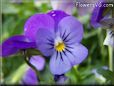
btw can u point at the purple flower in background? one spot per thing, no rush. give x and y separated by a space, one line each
69 5
30 77
97 14
101 18
60 41
15 43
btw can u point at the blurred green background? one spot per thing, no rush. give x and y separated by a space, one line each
14 15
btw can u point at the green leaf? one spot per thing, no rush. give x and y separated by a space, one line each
16 76
109 75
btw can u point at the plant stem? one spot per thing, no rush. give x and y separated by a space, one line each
29 64
76 72
111 58
101 38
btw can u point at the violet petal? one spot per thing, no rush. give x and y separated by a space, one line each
35 22
45 41
57 15
71 28
38 62
30 77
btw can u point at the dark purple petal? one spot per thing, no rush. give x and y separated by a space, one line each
45 41
38 62
24 45
70 29
8 45
59 64
60 79
77 54
30 78
35 22
14 43
97 14
57 15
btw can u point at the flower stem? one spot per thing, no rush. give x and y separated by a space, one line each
29 64
77 74
101 38
111 58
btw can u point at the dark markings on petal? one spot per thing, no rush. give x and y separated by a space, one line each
56 54
68 51
69 46
61 56
69 39
50 40
64 53
66 36
50 44
68 43
51 47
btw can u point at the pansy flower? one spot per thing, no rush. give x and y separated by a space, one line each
101 18
58 40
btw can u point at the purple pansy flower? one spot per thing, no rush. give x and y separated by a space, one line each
63 44
100 18
30 77
15 43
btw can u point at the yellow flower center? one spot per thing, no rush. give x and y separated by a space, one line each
60 46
